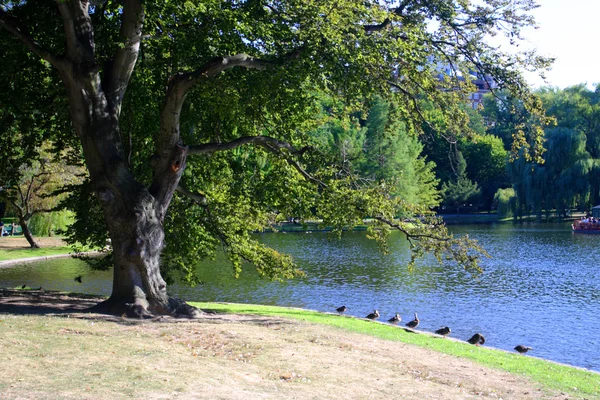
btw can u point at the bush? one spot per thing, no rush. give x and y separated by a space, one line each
506 201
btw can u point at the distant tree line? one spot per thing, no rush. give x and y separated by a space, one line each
488 172
480 170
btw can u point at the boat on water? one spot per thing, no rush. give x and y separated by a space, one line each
589 224
586 226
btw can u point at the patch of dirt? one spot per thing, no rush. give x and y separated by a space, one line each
14 242
221 356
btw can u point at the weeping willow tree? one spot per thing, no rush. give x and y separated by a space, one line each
561 182
193 117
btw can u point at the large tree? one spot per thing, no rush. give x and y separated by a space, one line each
486 164
163 95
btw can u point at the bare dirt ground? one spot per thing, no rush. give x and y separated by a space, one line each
10 242
50 349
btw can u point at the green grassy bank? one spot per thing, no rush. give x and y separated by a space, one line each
575 381
17 253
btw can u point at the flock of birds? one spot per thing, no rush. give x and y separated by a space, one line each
477 339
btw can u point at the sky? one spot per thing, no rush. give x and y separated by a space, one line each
569 30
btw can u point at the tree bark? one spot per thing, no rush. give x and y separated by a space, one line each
131 213
137 238
27 233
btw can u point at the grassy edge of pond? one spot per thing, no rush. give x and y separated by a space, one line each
18 253
551 375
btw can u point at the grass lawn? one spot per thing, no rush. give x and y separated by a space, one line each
12 248
16 253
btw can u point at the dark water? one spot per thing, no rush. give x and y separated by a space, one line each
541 288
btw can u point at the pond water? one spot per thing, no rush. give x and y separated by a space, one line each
541 288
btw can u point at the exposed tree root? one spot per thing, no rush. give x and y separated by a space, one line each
143 310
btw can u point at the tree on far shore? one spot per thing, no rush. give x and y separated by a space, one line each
36 188
461 189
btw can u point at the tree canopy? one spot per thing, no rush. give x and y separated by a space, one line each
194 118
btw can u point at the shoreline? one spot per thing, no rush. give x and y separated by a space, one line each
27 260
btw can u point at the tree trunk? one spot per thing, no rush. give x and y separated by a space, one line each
133 215
27 233
137 238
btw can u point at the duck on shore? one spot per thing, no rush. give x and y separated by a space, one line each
445 331
414 323
342 309
373 315
477 339
522 349
395 319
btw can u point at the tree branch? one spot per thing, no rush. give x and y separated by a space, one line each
378 27
260 140
168 141
13 27
28 195
179 87
167 179
387 22
78 32
197 197
123 63
271 144
69 28
220 64
409 235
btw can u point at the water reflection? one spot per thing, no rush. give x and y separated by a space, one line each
58 274
541 287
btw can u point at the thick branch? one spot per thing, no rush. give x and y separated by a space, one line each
168 141
167 179
271 144
220 64
378 27
387 22
197 197
69 28
125 58
78 31
260 140
179 87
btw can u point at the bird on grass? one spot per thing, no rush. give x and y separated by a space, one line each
414 323
395 319
522 349
373 315
445 331
78 278
477 339
342 309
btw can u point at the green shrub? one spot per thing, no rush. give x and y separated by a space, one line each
506 201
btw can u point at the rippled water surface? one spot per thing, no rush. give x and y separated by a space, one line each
541 288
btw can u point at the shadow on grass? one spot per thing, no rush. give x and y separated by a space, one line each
77 305
39 302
